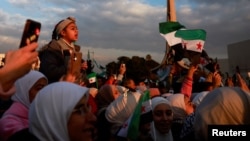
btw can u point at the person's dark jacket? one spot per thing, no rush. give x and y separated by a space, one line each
53 64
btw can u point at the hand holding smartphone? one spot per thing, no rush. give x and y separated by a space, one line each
31 32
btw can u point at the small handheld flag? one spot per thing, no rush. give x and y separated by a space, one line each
92 77
130 128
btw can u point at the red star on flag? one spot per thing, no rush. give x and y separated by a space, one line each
199 46
125 125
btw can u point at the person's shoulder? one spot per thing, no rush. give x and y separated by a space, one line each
52 45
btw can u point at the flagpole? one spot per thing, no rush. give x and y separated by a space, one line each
171 16
171 13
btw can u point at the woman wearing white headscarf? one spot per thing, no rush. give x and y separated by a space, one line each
16 117
222 106
121 108
162 119
60 112
182 107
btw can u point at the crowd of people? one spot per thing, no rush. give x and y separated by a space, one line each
53 103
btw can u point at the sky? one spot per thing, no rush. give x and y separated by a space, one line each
109 29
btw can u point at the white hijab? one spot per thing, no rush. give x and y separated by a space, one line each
23 86
199 97
121 108
178 105
222 106
156 135
51 109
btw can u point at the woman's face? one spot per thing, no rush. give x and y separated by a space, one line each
163 117
81 124
37 87
70 33
131 84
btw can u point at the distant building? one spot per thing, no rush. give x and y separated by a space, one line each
239 55
224 65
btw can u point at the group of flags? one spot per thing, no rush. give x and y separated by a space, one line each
180 40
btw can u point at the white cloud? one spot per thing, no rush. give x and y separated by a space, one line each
19 2
128 26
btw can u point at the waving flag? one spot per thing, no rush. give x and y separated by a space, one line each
168 29
193 43
193 39
142 113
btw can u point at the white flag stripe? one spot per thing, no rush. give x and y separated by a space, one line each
123 132
147 105
171 39
194 45
92 79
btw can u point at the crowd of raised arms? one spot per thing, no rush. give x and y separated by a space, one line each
47 96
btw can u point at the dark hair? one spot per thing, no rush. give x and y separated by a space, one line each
201 86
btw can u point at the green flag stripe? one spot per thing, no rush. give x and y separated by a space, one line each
133 129
192 34
167 27
91 75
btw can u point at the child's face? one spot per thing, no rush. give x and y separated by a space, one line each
70 33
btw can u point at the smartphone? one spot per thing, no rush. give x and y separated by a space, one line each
31 32
76 62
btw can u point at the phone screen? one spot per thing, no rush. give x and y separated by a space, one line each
76 63
31 32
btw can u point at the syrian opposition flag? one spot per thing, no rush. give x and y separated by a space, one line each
168 29
142 113
193 39
92 77
193 43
